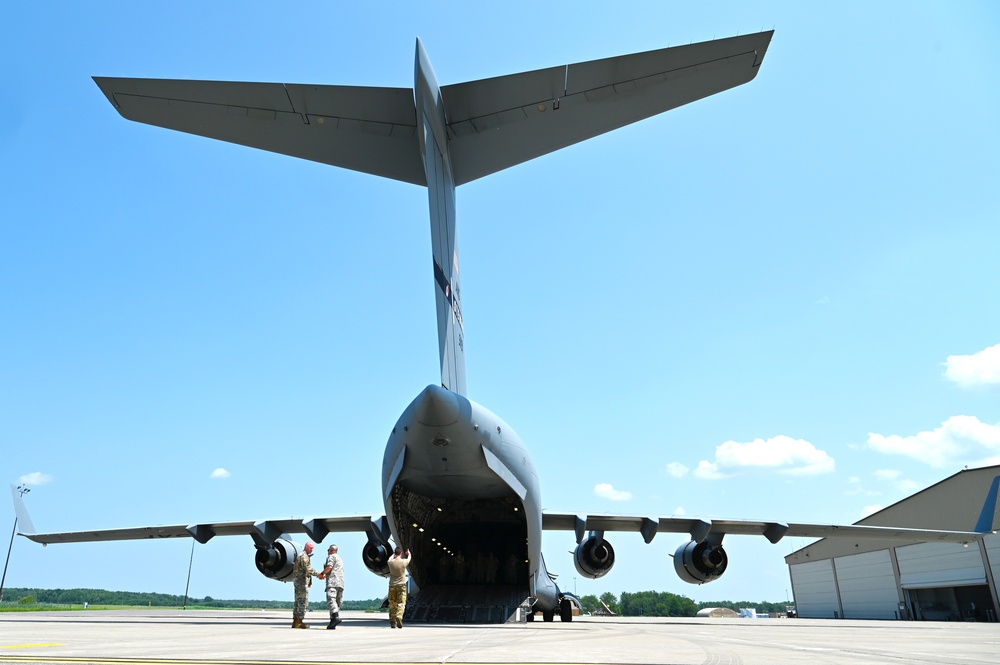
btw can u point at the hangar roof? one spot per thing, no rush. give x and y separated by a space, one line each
952 504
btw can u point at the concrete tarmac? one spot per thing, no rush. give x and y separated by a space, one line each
196 637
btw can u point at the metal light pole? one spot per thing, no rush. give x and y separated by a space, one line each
22 490
188 585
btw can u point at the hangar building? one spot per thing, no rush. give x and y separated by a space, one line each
885 579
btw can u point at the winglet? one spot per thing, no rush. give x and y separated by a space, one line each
23 520
985 523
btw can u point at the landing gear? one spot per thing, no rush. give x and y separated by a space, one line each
530 616
565 610
548 615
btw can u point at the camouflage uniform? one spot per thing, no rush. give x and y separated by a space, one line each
397 588
334 583
302 574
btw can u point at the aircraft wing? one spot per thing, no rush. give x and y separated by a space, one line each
367 129
499 122
700 529
316 529
264 530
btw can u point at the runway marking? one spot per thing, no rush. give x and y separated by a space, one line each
28 646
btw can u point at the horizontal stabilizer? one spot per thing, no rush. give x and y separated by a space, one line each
367 129
496 123
492 124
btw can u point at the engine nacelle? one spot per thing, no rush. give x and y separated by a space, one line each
277 560
594 557
376 558
700 563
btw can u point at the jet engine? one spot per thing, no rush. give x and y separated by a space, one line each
594 557
276 560
376 558
700 563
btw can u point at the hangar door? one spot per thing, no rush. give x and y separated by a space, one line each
867 586
815 589
945 582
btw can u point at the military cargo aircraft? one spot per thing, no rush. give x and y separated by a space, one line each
458 484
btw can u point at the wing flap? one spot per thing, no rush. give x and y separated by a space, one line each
372 130
500 122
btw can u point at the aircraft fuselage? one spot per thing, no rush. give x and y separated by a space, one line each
459 486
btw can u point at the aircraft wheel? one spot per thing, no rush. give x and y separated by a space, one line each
565 610
548 615
530 616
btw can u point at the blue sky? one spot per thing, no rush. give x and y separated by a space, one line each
776 303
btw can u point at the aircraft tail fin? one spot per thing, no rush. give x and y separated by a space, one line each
25 527
988 514
434 150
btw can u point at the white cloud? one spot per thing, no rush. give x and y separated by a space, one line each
677 470
855 488
220 473
607 491
679 511
870 510
897 480
979 369
782 454
708 471
36 478
959 440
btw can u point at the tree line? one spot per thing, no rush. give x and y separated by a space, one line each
666 604
136 599
642 603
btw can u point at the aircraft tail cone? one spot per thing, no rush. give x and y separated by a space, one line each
437 407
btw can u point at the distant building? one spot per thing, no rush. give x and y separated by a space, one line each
884 579
717 613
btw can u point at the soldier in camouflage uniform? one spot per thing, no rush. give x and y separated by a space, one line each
302 574
397 586
333 573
